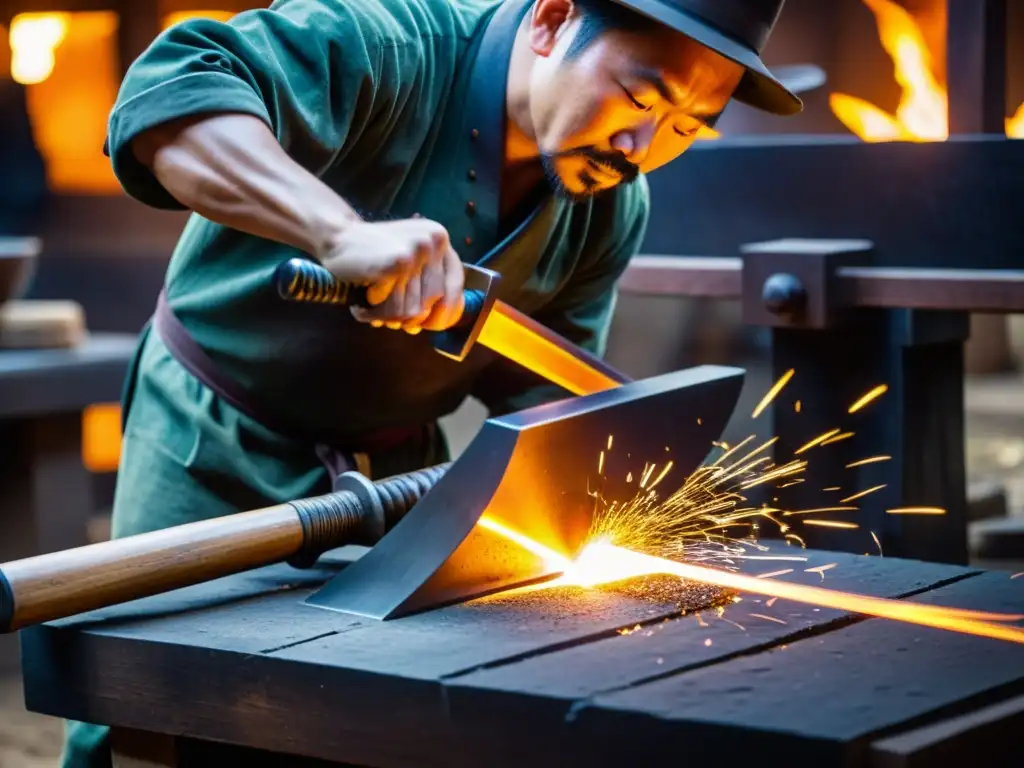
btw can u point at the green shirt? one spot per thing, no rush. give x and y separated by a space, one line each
398 105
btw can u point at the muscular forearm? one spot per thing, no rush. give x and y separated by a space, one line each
232 170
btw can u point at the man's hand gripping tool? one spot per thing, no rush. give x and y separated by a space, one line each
303 280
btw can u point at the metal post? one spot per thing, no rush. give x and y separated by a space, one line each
838 354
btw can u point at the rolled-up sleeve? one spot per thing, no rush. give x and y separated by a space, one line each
313 70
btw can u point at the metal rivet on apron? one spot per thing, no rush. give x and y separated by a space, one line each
474 133
472 175
469 240
470 208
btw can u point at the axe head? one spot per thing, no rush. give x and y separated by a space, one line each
535 472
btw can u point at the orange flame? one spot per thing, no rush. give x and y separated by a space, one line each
923 111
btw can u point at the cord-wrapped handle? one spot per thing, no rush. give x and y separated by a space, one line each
306 281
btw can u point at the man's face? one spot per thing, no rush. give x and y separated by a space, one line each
626 104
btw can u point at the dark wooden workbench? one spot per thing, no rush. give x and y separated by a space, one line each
46 496
545 678
45 491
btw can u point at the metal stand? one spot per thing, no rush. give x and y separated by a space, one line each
845 326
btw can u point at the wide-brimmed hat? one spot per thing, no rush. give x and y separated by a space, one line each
736 29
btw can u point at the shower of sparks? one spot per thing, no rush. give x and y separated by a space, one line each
861 494
772 393
868 397
700 532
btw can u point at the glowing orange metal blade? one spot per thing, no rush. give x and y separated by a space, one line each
523 340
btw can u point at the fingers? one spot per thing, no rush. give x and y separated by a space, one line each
447 311
422 290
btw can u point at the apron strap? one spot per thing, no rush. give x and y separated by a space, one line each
194 359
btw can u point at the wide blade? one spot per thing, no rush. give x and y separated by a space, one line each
535 472
523 340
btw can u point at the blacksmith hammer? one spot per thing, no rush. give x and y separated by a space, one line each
485 320
537 471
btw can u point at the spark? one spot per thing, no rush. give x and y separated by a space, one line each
661 477
861 494
869 460
771 602
820 570
878 543
708 642
796 406
610 441
869 396
916 511
646 475
819 439
772 393
837 438
832 488
600 464
768 618
816 510
773 574
1017 575
831 524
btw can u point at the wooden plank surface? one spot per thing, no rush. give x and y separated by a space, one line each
819 698
542 677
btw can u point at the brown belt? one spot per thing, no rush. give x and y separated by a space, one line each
194 359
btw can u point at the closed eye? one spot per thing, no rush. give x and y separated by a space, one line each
689 133
636 103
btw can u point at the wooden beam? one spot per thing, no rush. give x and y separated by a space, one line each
976 65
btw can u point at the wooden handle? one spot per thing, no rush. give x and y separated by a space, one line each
47 587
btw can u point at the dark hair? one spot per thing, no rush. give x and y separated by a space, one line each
600 16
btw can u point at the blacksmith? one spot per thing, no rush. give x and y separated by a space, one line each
392 141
